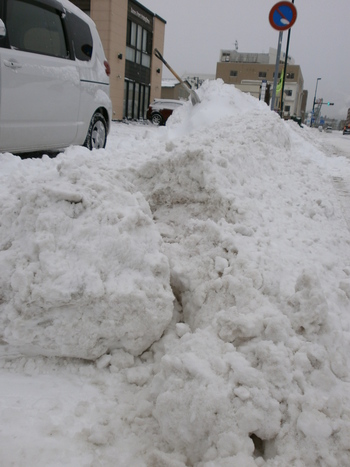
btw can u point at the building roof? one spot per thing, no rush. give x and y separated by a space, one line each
169 83
149 11
253 57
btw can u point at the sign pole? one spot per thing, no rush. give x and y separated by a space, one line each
280 37
285 68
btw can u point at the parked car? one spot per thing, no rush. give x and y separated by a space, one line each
346 130
160 110
54 78
329 129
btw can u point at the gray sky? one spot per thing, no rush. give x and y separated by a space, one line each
197 30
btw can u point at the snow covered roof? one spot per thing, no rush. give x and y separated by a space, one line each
169 83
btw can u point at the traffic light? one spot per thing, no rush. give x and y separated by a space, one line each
330 103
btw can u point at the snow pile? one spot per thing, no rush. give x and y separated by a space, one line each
82 271
217 103
249 235
255 265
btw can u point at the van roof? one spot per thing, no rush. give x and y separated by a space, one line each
60 4
74 9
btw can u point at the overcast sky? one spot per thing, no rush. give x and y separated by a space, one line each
197 30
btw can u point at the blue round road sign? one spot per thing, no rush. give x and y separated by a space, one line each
282 16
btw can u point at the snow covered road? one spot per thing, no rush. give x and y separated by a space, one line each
340 145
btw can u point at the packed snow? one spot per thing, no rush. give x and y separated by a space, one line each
181 298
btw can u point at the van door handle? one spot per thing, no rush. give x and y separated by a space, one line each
12 64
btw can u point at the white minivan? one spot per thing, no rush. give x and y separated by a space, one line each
54 78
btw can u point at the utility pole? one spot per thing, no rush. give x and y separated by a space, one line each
280 37
313 106
285 68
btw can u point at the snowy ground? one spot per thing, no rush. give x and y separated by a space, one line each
181 298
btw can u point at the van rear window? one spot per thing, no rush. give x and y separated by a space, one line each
81 36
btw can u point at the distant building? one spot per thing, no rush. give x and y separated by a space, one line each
197 79
173 89
129 33
253 72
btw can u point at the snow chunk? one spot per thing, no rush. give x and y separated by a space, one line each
83 271
201 406
309 307
314 424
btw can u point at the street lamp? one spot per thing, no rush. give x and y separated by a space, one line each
313 107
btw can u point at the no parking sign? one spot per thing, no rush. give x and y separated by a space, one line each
282 16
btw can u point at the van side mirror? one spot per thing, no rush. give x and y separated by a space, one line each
2 29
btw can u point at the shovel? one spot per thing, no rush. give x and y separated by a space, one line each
193 95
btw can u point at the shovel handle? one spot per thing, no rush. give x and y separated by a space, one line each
194 97
160 56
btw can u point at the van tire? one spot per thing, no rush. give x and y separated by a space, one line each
96 137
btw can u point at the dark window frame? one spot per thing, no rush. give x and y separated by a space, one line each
81 37
135 109
139 44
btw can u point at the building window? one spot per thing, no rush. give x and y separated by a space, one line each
279 75
138 45
233 73
287 108
262 74
136 100
290 75
225 57
289 92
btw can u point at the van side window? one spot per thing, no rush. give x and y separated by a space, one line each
81 36
2 39
35 28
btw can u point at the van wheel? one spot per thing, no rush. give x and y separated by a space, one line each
96 137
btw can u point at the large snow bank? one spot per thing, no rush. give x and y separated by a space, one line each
253 368
248 223
82 271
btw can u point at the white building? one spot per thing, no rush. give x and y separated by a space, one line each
251 71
